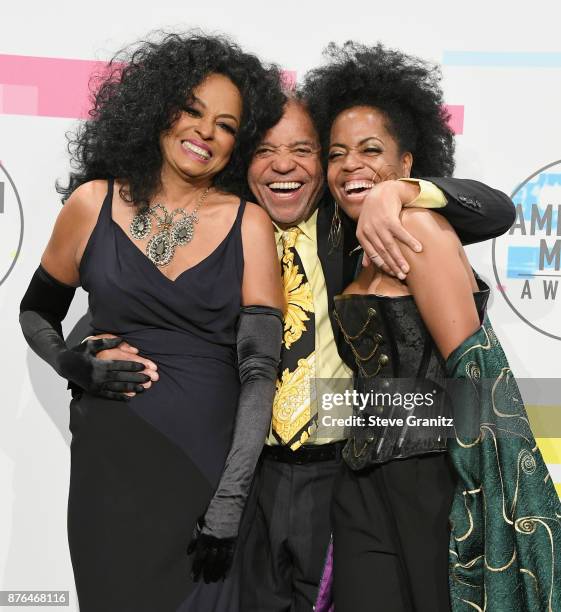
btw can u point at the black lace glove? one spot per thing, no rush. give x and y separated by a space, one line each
43 307
101 377
212 556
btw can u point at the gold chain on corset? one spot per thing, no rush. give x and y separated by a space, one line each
382 360
371 314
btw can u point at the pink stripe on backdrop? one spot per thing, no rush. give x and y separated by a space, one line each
55 87
289 79
19 99
46 86
58 87
456 121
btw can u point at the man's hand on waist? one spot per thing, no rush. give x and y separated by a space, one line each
125 357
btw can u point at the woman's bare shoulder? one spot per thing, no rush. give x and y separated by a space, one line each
442 249
431 229
73 227
254 215
425 219
85 201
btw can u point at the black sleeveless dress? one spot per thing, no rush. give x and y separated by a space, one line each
144 471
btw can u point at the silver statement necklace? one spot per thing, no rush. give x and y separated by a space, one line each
171 232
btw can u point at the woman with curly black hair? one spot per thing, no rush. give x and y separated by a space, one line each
153 228
405 89
414 457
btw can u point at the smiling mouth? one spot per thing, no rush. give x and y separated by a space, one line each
357 187
203 154
286 187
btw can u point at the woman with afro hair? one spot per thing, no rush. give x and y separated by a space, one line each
155 228
444 501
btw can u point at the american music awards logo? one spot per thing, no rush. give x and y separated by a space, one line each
11 224
527 259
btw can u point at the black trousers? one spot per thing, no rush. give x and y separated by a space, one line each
391 536
286 534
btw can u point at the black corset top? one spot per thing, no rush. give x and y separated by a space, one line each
387 345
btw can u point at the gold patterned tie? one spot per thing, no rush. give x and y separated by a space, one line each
294 406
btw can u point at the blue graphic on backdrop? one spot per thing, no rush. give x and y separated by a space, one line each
527 260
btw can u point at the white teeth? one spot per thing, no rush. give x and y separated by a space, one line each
193 147
285 185
358 185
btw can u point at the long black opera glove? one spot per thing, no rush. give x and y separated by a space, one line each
259 340
44 306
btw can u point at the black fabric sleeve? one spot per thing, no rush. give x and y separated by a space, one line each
42 309
477 212
259 339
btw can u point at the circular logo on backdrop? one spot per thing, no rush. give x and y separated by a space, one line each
527 259
11 224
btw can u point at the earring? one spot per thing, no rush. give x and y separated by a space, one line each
336 229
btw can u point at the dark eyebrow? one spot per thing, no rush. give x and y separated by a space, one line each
229 117
310 143
371 138
337 144
199 101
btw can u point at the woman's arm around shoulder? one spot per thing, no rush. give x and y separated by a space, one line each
262 285
440 280
73 227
